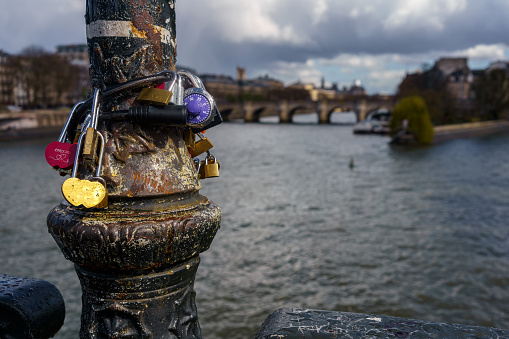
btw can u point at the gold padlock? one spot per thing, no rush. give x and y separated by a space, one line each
201 146
201 170
189 139
90 145
91 142
154 96
211 167
87 193
104 201
90 193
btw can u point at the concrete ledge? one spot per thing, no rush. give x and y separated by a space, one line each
469 130
298 323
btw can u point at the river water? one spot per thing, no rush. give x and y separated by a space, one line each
417 233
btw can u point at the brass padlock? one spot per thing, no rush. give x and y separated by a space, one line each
81 128
211 167
90 144
154 96
189 139
90 193
91 138
201 146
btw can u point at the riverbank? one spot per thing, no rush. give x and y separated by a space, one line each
456 131
31 124
29 133
442 133
469 130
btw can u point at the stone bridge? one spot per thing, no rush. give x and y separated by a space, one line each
33 119
252 111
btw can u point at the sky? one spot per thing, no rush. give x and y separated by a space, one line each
340 41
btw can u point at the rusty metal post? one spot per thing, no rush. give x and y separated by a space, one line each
137 259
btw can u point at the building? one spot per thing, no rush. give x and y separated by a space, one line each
6 83
455 93
226 89
77 56
222 87
74 54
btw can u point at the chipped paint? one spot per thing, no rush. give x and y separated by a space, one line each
126 29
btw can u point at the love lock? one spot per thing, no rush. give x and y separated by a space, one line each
91 193
60 154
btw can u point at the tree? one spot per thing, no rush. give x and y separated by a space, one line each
65 78
492 93
412 109
431 87
46 78
36 68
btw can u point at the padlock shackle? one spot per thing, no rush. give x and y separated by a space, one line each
77 156
63 133
78 151
95 108
120 91
100 162
195 81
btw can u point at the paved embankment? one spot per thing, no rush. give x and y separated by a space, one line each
31 124
469 130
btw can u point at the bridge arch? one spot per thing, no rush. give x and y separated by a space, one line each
287 110
226 113
327 108
253 111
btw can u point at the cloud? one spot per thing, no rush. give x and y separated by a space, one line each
26 22
295 71
385 81
340 40
428 14
484 52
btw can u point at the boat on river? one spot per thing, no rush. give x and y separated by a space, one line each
377 122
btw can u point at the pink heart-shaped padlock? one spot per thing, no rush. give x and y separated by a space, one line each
60 154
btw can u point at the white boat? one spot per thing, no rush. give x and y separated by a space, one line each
376 122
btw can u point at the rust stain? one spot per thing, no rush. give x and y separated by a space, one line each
142 21
136 32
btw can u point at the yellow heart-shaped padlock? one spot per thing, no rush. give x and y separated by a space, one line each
84 192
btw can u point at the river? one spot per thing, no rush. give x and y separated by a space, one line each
417 233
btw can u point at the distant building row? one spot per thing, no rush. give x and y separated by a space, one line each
44 79
265 88
16 89
464 88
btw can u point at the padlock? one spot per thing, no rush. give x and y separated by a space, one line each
199 166
60 154
211 168
154 96
91 137
201 146
91 193
189 139
201 170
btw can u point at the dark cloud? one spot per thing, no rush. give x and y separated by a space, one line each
339 31
216 36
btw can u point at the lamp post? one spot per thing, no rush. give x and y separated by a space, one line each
137 258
